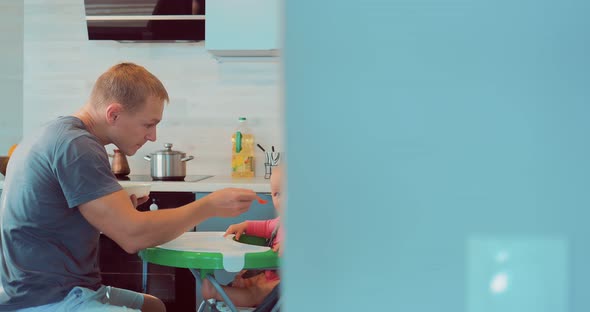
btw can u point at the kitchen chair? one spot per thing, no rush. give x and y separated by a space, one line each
271 302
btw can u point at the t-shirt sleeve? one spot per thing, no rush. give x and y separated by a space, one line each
83 171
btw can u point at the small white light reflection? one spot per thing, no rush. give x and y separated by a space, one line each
499 283
502 256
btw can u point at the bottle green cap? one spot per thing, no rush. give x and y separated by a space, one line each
242 119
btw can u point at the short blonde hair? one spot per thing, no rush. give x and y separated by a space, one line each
128 84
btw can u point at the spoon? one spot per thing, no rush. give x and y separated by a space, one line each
261 201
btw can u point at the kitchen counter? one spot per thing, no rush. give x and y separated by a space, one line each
214 183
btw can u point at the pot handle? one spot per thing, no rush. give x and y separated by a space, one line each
187 158
147 157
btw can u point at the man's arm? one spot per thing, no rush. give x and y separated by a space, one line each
115 216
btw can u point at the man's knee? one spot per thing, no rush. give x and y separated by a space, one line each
152 304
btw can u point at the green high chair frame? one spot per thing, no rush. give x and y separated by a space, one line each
204 264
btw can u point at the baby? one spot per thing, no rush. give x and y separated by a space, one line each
247 290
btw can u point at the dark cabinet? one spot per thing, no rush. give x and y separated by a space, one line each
174 286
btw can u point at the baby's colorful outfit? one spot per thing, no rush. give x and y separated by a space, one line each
265 228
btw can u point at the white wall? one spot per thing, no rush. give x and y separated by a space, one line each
206 97
11 73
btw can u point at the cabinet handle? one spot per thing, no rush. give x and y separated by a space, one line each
154 206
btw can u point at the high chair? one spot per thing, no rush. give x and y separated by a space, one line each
271 303
205 252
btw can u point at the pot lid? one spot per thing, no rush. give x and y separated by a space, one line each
167 150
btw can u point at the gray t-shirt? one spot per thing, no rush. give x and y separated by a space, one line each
47 247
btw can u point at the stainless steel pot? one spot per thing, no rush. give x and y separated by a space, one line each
168 165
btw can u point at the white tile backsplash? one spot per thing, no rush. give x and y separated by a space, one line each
11 73
206 97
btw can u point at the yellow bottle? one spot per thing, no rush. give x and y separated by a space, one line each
242 156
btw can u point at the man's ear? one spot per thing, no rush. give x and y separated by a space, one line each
113 112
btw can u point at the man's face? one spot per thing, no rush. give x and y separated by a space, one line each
133 129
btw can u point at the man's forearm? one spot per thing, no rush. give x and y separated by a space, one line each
157 227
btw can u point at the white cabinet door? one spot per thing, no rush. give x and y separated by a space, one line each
242 26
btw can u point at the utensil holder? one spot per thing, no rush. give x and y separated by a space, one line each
272 160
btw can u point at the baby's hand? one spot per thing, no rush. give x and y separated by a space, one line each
237 229
276 247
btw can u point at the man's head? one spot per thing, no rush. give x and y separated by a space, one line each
276 188
131 101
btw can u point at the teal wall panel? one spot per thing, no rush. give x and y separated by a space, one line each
413 127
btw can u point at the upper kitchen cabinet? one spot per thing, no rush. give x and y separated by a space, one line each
145 20
242 28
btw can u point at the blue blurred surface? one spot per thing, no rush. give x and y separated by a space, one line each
416 126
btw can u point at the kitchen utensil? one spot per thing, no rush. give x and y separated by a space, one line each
272 159
120 166
261 201
168 165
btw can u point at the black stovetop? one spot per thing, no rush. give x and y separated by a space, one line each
146 178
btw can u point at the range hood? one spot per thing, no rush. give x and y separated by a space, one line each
243 29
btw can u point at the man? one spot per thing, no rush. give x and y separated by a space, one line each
60 194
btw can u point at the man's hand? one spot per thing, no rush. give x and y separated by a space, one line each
138 201
230 202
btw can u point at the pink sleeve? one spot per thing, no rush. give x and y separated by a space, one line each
262 228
